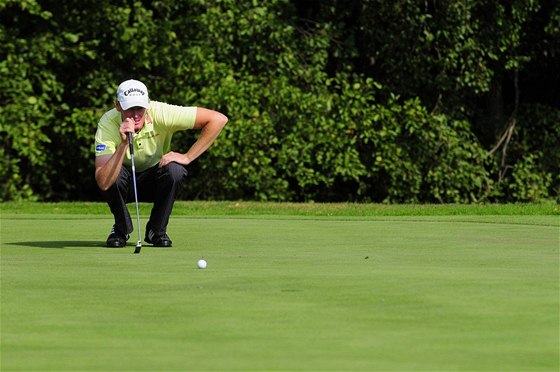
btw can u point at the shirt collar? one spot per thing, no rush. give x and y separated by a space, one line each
148 124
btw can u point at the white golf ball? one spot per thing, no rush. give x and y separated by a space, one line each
201 264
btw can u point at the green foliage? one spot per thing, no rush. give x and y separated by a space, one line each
529 183
419 156
534 158
442 52
338 144
29 89
328 101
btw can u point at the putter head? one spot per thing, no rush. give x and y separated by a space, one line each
138 247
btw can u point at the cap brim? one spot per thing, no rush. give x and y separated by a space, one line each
134 103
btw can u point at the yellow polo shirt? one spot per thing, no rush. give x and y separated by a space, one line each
153 140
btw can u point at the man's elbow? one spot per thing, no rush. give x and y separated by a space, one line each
222 119
102 183
103 186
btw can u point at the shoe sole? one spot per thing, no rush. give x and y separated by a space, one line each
158 245
115 245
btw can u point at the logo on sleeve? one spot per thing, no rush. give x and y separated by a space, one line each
100 147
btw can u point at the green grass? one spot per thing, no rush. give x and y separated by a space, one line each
205 208
288 287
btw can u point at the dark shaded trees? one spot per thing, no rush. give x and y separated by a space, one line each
398 101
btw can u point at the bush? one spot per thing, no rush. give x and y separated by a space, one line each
304 123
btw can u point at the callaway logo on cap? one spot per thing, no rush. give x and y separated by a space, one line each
132 93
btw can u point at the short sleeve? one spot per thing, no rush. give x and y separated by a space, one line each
175 117
107 136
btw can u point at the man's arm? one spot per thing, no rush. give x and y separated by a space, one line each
210 123
108 167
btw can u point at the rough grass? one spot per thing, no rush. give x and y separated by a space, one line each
209 208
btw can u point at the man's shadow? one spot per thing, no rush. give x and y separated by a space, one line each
61 244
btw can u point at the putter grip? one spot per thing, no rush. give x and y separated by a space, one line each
130 143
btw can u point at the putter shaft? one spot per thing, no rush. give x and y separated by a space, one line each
139 243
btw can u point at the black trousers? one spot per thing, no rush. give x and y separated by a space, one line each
159 186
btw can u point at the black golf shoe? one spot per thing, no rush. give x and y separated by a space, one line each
116 239
157 240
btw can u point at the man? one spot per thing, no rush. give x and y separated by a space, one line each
160 172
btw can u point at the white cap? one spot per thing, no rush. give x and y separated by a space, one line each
132 93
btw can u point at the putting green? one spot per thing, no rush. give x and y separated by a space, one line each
282 293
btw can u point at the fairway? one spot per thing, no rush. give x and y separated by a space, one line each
282 292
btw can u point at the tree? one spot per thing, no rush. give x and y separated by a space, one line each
336 100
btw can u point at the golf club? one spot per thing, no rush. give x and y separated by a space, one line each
139 242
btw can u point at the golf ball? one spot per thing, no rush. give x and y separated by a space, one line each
201 264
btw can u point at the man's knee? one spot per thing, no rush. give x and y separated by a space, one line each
176 172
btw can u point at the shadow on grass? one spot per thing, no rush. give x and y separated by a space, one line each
61 244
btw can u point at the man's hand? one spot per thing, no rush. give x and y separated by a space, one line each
210 123
127 126
174 157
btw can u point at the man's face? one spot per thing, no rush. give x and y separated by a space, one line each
136 113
